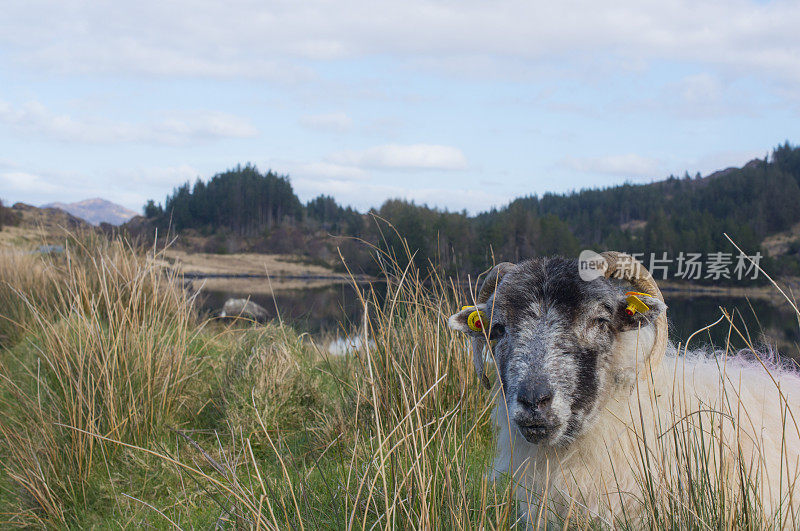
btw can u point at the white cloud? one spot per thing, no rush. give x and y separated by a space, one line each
700 88
276 40
336 122
329 170
696 97
24 182
405 156
704 96
132 186
154 176
173 129
199 125
628 165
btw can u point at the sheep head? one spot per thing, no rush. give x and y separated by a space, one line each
558 340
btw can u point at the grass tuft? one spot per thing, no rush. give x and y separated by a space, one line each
110 349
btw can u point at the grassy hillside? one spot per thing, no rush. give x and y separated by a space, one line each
25 227
119 408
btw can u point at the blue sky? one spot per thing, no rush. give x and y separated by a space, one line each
461 105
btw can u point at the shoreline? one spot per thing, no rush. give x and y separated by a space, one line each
287 272
766 292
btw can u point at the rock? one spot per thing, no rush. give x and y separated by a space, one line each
244 308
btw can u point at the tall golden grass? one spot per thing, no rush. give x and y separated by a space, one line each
108 351
396 435
26 281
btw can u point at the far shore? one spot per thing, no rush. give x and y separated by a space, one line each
768 292
254 273
263 273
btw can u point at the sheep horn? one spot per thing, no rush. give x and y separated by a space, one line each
493 280
623 266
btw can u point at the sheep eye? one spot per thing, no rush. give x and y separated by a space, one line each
497 330
601 321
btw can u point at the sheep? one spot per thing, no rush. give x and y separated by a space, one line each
593 404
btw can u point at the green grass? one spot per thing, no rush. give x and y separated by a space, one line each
119 408
252 425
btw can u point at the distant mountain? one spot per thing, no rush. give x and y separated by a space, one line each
96 211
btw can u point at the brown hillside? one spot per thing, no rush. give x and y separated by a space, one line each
39 226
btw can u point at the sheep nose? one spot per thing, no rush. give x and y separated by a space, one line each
536 397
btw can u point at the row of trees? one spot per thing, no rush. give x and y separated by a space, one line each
676 215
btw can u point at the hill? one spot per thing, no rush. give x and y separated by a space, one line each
96 211
245 210
31 227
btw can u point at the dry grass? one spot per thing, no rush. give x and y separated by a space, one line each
413 445
26 282
108 352
285 272
244 264
397 436
778 244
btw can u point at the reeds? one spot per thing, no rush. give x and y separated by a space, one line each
110 350
397 435
27 280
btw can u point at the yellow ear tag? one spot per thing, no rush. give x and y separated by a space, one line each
475 320
635 304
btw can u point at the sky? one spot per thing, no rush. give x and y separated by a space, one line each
455 104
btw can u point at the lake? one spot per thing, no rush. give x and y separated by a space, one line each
336 308
760 321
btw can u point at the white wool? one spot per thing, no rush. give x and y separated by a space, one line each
744 400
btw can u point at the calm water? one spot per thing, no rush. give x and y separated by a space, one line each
314 310
758 320
323 309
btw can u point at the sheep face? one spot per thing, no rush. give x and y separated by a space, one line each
554 345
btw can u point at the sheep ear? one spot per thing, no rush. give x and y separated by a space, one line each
484 303
641 317
485 300
460 320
